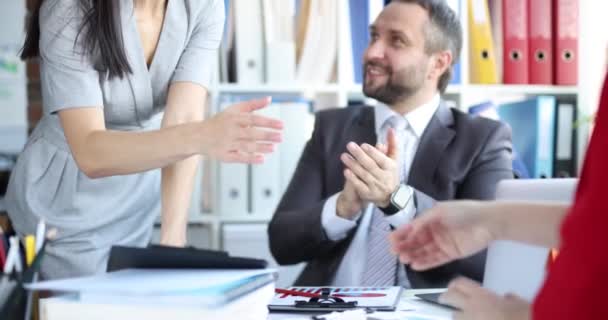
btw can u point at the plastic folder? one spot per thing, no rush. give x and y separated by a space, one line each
161 257
481 50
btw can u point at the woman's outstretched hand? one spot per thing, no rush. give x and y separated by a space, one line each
237 134
449 231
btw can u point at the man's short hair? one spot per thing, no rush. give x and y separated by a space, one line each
443 32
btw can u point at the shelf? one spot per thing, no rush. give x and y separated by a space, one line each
521 89
357 89
210 218
270 88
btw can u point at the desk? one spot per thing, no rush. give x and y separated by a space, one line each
407 302
409 307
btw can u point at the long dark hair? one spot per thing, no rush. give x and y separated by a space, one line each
101 29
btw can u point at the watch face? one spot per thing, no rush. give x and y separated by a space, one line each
402 196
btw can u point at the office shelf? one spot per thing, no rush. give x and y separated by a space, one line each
505 89
276 88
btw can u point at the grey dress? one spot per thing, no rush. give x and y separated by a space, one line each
91 215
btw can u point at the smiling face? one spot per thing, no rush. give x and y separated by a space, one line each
396 64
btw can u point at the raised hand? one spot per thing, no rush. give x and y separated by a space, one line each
373 171
238 135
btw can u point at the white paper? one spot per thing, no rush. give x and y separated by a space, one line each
149 281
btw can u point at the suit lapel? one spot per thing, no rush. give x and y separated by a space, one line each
363 129
438 134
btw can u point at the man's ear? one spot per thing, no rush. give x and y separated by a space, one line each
440 62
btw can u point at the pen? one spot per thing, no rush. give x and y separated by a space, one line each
15 243
30 249
40 234
12 257
3 249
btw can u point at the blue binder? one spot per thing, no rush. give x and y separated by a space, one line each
456 73
489 110
359 29
533 125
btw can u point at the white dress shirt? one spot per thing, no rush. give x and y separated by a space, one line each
351 268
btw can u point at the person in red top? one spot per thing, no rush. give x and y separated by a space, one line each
576 285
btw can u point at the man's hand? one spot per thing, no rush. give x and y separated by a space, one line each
373 171
477 303
349 203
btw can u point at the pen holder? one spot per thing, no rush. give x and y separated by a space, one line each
15 300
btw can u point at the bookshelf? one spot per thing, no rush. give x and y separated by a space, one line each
338 93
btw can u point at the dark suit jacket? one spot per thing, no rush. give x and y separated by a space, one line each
458 157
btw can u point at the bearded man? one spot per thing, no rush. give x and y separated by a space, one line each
367 170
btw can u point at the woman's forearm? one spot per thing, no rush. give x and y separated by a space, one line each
107 153
177 184
184 105
534 223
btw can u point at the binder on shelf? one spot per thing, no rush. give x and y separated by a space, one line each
564 161
456 76
533 132
489 110
265 177
299 123
541 41
482 58
346 65
227 43
249 44
496 23
515 41
362 14
279 44
566 28
318 54
232 178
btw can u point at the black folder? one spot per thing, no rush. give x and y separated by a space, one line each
163 257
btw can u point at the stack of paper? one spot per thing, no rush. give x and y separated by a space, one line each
161 294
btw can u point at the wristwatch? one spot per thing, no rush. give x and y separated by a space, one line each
399 200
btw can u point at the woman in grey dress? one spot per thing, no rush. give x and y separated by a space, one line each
124 83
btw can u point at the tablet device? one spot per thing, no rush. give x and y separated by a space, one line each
434 299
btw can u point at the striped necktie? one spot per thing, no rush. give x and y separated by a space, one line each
381 265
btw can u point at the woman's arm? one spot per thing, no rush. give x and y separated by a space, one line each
534 223
456 229
233 135
185 103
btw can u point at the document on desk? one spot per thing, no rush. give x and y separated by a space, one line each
379 298
150 286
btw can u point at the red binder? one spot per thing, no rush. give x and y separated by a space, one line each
541 41
566 17
515 42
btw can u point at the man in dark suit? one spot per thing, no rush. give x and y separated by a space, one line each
367 170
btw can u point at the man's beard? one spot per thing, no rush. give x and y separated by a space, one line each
399 86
